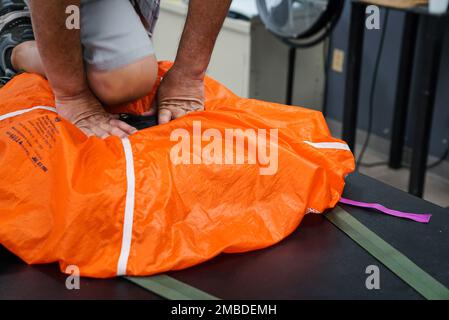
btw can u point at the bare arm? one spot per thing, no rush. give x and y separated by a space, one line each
61 53
204 22
182 90
60 48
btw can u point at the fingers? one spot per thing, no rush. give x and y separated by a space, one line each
87 131
179 112
100 130
103 127
113 128
123 126
117 132
168 112
165 115
87 113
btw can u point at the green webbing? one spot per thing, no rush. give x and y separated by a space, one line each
394 260
170 288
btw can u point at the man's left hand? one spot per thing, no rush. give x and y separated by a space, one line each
179 94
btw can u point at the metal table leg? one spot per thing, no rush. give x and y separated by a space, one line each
428 65
403 90
353 71
291 75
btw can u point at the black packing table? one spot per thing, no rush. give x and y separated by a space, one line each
318 261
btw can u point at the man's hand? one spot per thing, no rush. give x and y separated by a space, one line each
178 95
182 89
86 112
61 53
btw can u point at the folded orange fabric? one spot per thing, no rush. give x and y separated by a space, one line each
168 197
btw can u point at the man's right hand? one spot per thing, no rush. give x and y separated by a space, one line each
86 112
60 50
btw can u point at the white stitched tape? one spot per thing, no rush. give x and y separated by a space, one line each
20 112
329 145
129 209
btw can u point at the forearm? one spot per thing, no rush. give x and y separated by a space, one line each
204 21
59 48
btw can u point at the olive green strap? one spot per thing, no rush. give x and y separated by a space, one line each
170 288
394 260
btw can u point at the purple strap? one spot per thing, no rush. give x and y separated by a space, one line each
422 218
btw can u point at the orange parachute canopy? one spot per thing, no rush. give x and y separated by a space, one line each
239 176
